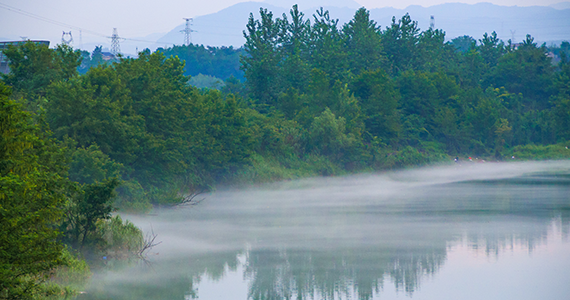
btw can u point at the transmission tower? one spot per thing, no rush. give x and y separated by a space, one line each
432 22
188 31
513 36
66 38
115 46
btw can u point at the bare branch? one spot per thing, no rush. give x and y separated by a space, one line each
190 199
148 243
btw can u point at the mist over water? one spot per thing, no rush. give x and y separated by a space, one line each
395 234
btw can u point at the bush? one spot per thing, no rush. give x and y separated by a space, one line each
534 152
66 280
123 239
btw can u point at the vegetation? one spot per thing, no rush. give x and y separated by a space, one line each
317 98
219 62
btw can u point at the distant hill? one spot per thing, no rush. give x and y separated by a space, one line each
306 4
545 23
561 5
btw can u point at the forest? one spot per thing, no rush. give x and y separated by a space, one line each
304 97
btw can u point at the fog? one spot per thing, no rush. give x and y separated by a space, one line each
351 235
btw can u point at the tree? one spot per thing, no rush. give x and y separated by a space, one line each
90 165
34 66
491 49
561 101
464 43
219 62
378 98
526 70
32 192
328 136
363 42
93 202
261 65
400 41
327 47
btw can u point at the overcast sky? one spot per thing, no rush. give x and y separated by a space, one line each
142 17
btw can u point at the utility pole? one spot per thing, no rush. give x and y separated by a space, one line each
188 32
66 41
115 46
432 22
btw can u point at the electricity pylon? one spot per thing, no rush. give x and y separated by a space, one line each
115 46
188 31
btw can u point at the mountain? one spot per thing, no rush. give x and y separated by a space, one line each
561 5
315 3
544 23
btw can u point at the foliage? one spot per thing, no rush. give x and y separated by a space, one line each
219 62
90 165
540 152
122 239
91 204
205 81
34 66
66 280
32 190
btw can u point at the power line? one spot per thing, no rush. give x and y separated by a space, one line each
47 20
44 19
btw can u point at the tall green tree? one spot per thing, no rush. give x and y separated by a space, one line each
327 47
400 41
261 65
363 42
33 183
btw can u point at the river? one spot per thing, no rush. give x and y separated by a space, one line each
470 231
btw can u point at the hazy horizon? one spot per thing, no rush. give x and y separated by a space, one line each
145 21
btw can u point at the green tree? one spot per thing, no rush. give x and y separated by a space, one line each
294 40
526 70
90 165
363 42
33 171
561 101
378 98
328 136
400 41
92 203
34 66
96 109
261 65
327 47
491 49
464 43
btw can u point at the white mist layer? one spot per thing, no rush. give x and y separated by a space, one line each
342 211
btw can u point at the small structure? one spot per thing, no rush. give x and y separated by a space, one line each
107 56
4 68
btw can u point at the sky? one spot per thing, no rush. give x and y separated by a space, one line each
139 19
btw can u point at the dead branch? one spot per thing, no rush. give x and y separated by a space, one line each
149 242
190 199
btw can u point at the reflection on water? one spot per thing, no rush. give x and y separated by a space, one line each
410 234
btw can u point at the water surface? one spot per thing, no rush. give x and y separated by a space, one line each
475 231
